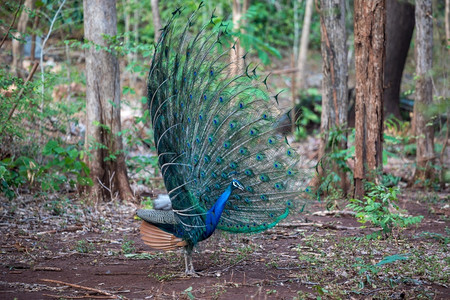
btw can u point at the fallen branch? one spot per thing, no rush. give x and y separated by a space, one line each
43 268
68 229
318 225
80 287
79 297
333 212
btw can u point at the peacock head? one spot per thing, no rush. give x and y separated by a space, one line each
238 185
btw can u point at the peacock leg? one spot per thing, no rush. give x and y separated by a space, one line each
188 260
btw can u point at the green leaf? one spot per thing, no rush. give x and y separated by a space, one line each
393 258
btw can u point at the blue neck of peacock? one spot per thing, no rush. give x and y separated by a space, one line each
213 215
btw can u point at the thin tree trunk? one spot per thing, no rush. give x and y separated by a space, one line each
106 161
369 20
17 45
156 19
126 19
296 29
239 10
425 155
334 83
447 21
295 50
33 37
304 44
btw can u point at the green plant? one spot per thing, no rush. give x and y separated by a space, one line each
127 246
162 277
84 246
58 207
307 117
334 165
372 269
376 209
188 293
61 162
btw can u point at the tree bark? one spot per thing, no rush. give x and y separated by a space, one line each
33 37
369 20
399 30
425 155
304 41
237 63
17 45
106 161
156 19
334 83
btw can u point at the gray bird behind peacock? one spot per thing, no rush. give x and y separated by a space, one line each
223 163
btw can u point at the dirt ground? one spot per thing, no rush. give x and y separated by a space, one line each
59 248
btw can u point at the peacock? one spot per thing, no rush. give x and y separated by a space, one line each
223 163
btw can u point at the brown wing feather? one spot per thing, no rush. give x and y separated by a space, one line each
159 239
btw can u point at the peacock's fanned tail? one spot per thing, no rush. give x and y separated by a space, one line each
211 126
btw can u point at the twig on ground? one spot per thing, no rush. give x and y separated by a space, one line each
333 212
318 225
79 297
43 268
79 287
68 229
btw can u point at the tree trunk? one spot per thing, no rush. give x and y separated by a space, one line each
33 37
399 30
126 19
239 10
156 19
17 45
369 20
447 21
334 83
424 93
304 44
106 161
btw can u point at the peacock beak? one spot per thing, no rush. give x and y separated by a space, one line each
238 185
